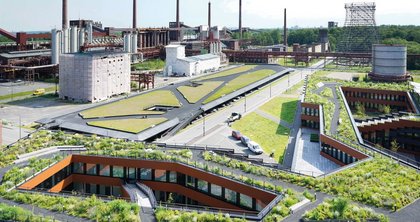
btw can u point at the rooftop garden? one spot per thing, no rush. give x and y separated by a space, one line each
272 137
152 64
165 215
196 91
240 82
228 72
283 108
136 105
342 209
128 125
12 213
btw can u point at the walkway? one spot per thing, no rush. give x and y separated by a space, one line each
146 210
336 101
273 118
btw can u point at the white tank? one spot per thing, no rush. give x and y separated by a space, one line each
134 43
90 32
55 46
389 60
65 41
73 39
216 34
81 37
127 42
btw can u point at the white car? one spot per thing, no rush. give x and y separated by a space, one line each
255 147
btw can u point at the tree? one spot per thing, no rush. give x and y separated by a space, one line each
394 145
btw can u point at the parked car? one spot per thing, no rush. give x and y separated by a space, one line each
245 140
236 134
255 147
234 116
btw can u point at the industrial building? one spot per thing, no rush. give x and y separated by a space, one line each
94 76
178 64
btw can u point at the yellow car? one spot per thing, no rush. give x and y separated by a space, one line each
39 92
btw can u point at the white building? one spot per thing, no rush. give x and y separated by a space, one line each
94 76
177 63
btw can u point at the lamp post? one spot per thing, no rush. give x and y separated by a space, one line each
270 90
245 104
20 127
204 125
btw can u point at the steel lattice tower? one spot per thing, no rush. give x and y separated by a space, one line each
359 31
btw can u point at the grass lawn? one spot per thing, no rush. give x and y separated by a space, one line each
228 72
193 94
290 62
282 107
128 125
152 64
134 105
271 136
416 78
327 92
240 82
28 93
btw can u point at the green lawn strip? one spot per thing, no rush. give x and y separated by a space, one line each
416 78
28 93
290 62
12 213
194 94
282 107
271 136
134 105
341 209
228 72
128 125
240 82
153 64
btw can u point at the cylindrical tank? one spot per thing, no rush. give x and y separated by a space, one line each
389 60
127 42
134 43
73 39
90 32
65 41
55 46
81 37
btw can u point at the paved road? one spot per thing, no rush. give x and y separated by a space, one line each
9 88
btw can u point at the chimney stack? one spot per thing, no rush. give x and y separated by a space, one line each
285 29
178 25
134 14
209 15
240 18
64 14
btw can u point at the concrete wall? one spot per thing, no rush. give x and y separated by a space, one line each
94 77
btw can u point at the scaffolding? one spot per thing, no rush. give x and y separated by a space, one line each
359 31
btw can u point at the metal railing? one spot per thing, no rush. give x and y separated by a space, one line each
149 192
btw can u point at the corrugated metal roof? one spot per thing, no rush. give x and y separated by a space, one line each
200 58
25 54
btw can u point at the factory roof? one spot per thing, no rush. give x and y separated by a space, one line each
200 58
23 54
97 53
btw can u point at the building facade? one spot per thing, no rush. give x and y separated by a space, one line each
94 76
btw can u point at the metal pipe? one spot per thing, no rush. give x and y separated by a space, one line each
134 14
285 29
64 14
177 21
240 18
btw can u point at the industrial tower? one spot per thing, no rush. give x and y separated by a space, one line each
359 31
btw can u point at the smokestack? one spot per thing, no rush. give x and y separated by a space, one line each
285 29
178 26
134 14
240 18
64 14
209 15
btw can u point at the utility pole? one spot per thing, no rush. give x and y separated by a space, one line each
245 104
20 127
270 90
204 125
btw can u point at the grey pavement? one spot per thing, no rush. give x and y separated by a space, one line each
290 149
12 88
273 118
336 101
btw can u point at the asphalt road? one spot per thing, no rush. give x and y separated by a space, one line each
9 88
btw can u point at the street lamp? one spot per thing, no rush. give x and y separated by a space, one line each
270 90
20 127
245 104
204 124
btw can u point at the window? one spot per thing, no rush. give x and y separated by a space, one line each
216 190
172 177
160 175
190 181
78 168
132 173
246 201
118 171
230 195
104 170
91 169
146 174
203 185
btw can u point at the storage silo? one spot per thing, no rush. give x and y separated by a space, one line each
55 46
127 42
389 63
134 43
81 37
73 39
90 33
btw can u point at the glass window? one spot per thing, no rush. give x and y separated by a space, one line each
260 205
78 168
160 175
146 174
203 185
104 170
93 189
116 191
216 190
91 169
246 201
132 173
118 171
172 177
230 195
190 181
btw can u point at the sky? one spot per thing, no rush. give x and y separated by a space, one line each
40 15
